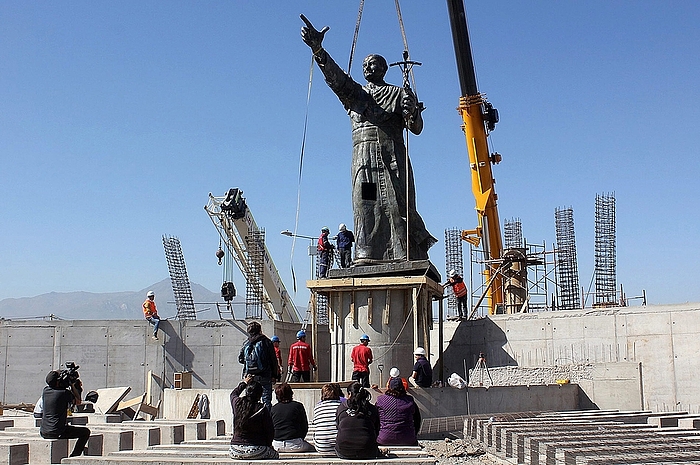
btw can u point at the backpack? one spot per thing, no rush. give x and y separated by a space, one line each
254 357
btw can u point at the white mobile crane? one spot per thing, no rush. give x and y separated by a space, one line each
234 221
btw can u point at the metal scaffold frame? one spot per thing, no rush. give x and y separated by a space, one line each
567 268
178 277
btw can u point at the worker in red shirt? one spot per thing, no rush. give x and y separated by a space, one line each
301 360
361 357
278 352
150 312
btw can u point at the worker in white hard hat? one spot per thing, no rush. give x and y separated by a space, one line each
459 289
150 313
422 375
344 240
325 253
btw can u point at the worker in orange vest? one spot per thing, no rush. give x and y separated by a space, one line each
460 291
150 313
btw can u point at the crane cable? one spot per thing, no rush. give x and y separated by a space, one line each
357 32
301 166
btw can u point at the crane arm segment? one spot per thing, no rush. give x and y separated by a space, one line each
478 115
234 226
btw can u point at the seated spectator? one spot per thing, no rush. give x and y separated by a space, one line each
252 424
324 419
395 373
289 419
358 425
399 417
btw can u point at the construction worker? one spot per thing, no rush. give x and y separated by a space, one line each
301 359
344 240
460 291
325 249
361 357
422 375
150 313
278 352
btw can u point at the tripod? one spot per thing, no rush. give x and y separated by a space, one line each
482 368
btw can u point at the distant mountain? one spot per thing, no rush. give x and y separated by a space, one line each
113 305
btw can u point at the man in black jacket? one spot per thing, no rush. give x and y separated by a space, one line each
57 396
266 370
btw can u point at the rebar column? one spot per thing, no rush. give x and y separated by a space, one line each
453 261
567 267
178 277
605 256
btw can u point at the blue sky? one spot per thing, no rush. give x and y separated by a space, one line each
117 119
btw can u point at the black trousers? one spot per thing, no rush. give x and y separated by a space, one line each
76 432
361 377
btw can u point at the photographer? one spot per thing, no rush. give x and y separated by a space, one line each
64 389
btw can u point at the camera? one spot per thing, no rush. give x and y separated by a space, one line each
69 376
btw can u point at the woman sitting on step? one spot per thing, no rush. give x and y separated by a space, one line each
253 430
289 419
399 417
358 425
325 429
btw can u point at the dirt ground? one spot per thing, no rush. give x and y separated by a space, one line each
457 451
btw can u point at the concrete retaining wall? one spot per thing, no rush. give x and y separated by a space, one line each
433 402
121 353
636 357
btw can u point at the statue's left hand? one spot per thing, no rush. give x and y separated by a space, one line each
311 36
408 103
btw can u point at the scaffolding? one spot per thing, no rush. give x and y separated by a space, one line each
255 245
567 268
178 277
605 257
540 278
454 260
513 233
320 306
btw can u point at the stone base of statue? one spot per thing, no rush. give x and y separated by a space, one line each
392 303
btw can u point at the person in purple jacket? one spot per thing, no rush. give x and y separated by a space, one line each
399 417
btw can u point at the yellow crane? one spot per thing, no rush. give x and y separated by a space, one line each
479 118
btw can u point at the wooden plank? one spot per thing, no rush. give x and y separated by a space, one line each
369 308
387 308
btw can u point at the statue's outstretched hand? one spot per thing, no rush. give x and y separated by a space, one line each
311 36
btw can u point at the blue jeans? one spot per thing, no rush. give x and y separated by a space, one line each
266 384
155 321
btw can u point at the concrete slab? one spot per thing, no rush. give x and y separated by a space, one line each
217 461
14 453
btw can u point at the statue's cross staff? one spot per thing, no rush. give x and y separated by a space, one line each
406 66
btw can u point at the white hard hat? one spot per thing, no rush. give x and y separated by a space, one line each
452 273
419 351
342 227
151 294
394 372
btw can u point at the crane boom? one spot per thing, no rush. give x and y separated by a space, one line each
234 221
478 118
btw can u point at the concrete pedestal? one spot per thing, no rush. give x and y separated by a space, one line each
394 310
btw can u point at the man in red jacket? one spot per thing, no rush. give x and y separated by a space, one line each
301 359
361 357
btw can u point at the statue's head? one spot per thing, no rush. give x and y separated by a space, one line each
374 67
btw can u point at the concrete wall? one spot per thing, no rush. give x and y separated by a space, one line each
121 353
653 348
433 402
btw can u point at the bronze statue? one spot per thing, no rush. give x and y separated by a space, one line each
378 112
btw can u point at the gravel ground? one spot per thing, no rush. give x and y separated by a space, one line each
457 451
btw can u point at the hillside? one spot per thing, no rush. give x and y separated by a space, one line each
111 306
